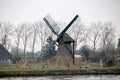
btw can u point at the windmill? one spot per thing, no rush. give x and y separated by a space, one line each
63 40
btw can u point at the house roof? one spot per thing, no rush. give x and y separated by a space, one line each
4 54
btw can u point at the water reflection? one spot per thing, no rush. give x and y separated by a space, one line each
70 77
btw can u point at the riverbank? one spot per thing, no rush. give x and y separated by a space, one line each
64 71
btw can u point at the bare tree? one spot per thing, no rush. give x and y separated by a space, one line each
18 36
78 33
0 31
43 33
94 34
5 32
34 34
107 40
26 31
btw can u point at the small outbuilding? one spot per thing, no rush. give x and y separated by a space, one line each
5 56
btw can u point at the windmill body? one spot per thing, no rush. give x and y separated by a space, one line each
63 57
62 51
65 53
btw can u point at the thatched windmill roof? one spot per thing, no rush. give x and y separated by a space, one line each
67 38
4 54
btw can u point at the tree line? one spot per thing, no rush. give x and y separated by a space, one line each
93 42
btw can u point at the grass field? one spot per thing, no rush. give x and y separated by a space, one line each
35 70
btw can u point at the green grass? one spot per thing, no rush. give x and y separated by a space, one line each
35 70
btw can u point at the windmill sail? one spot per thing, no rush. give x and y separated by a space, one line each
48 53
63 39
52 23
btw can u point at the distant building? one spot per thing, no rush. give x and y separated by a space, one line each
5 56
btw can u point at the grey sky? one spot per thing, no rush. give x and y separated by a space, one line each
18 11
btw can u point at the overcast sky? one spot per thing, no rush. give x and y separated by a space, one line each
18 11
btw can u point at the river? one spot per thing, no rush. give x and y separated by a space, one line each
67 77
